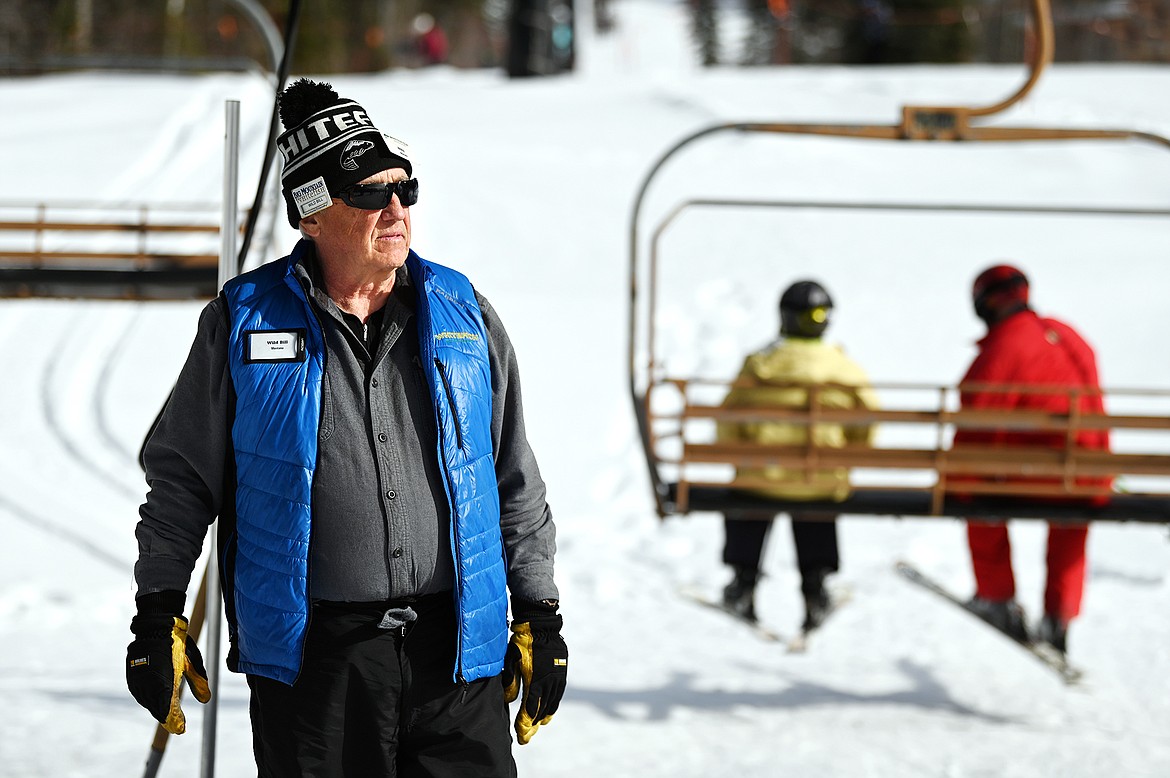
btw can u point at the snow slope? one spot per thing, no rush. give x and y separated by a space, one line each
527 187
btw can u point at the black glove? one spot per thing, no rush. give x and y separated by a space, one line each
537 660
160 656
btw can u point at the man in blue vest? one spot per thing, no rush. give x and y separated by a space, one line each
352 414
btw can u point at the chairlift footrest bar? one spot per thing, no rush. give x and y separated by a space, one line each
875 502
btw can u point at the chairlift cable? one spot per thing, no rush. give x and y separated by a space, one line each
290 35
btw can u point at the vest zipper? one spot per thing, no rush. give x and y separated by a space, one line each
450 401
455 557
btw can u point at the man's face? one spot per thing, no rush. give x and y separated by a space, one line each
370 240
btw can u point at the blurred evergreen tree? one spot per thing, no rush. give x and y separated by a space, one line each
369 35
929 31
705 30
28 29
868 34
760 41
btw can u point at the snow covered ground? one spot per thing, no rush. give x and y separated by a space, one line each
527 187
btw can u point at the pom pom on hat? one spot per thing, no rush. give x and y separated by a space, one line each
302 99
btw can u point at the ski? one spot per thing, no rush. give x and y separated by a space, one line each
761 631
799 642
1048 655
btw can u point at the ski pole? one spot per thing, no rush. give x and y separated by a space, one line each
158 746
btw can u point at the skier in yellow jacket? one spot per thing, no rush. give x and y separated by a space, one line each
789 373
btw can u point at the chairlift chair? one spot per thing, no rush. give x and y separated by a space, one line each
675 415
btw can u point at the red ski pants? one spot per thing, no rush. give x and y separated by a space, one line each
991 558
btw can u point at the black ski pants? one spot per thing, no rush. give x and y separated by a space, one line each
372 702
814 535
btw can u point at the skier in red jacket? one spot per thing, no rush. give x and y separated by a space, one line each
1023 348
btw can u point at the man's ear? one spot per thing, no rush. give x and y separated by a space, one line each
310 226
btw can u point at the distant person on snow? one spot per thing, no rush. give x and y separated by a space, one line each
351 413
1021 348
430 40
797 371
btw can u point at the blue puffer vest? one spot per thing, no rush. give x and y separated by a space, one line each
278 411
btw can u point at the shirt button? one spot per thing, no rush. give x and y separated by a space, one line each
382 437
374 382
391 494
397 552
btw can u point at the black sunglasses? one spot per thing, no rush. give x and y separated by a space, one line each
375 197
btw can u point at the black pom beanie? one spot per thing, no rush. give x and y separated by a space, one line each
329 144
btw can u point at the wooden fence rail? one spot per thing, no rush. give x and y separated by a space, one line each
106 252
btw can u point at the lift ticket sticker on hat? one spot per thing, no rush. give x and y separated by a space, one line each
397 147
311 197
275 346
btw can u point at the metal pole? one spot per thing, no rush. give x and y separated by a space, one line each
231 176
268 30
227 269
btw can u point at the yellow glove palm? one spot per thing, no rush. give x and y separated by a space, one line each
536 667
157 661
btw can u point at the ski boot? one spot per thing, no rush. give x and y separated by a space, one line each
817 603
1054 632
1005 615
739 596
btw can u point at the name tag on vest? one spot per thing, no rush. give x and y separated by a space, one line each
275 345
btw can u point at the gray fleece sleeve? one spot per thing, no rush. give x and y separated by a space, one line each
185 459
525 518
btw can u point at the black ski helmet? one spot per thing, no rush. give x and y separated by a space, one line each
804 310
